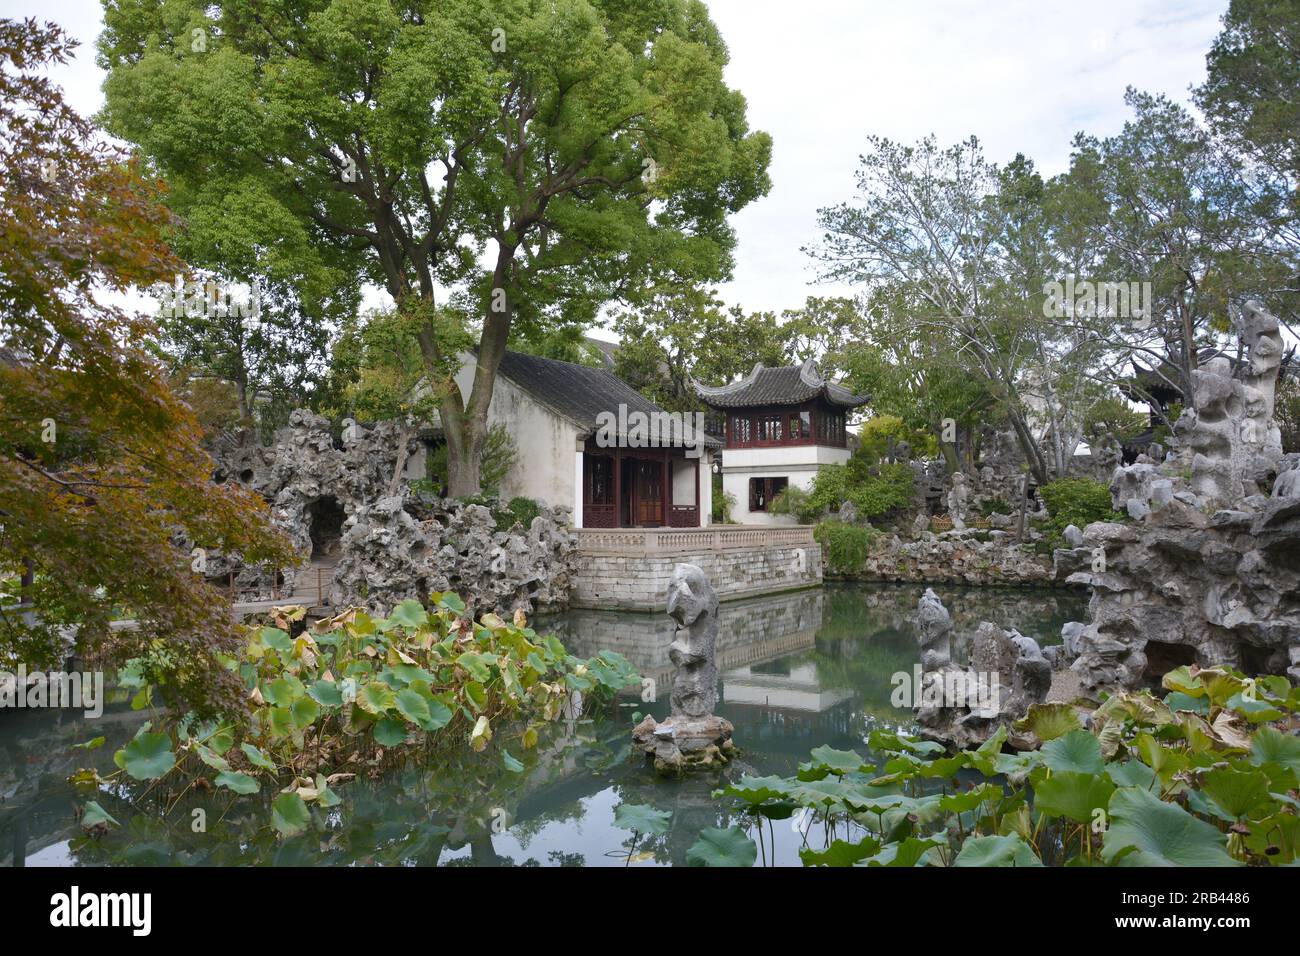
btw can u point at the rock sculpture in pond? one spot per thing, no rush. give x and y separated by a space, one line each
964 706
692 737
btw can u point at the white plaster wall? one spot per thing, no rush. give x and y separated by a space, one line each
798 463
545 442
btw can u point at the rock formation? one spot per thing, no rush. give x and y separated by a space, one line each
963 706
957 501
692 737
331 497
1208 572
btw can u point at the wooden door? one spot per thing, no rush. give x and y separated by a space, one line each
649 494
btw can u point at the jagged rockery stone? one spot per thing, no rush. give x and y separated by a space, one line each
692 737
388 548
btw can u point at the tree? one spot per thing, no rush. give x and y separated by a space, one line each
100 463
929 240
263 343
1251 92
538 158
678 332
1162 202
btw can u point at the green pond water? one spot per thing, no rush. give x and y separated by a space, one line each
796 671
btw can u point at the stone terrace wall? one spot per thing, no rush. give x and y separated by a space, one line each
956 557
639 582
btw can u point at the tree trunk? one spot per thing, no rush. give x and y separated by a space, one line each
1033 454
403 453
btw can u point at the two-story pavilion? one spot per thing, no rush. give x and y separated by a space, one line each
783 425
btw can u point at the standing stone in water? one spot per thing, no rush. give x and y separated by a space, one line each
692 737
693 604
934 625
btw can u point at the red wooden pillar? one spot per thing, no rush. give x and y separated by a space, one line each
618 482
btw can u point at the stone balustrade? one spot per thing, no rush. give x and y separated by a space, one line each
663 541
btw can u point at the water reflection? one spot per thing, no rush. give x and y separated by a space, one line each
796 671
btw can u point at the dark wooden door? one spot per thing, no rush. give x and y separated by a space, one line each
649 494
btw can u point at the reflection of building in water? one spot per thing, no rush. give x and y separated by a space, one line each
782 685
749 632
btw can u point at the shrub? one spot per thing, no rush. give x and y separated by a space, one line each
874 491
792 500
522 510
996 506
723 505
846 545
1078 502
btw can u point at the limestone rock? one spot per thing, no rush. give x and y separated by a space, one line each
692 737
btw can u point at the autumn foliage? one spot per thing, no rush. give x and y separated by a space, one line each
100 462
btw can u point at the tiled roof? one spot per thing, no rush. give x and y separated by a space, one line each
790 385
581 393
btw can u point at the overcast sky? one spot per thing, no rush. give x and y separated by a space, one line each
821 75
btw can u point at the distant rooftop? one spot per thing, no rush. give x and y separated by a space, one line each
789 385
580 393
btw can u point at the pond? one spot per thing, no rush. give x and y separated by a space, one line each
796 671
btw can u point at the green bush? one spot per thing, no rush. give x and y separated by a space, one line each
792 500
1078 502
996 506
874 490
522 510
846 545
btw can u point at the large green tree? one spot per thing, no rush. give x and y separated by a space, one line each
535 157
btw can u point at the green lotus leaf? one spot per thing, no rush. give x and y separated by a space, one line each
326 693
256 757
729 847
840 853
1078 751
1072 794
413 706
1146 831
1272 746
94 815
967 800
1131 773
283 691
1049 721
410 614
305 711
1009 850
390 731
452 602
238 782
375 698
275 638
836 761
281 722
642 819
1181 680
289 814
211 757
913 851
148 756
1236 792
756 790
1177 700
